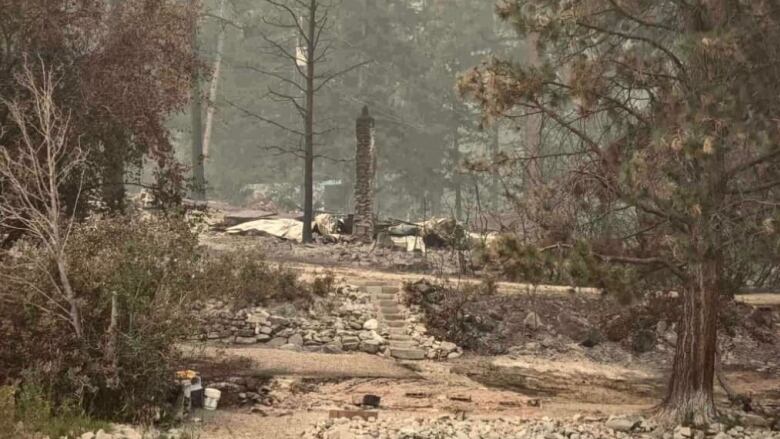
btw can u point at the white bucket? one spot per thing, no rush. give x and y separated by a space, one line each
211 398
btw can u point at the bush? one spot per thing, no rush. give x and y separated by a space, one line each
132 277
8 412
36 414
243 278
448 310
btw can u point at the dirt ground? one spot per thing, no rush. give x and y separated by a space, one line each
473 386
476 387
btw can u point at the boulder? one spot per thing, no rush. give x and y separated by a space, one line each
370 346
279 321
256 317
349 343
448 347
296 339
371 325
277 342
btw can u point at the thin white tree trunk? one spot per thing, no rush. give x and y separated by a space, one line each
213 88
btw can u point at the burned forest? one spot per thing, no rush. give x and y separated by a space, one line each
394 219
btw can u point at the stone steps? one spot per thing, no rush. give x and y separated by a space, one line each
402 345
407 354
392 318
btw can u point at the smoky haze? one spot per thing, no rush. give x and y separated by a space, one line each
401 59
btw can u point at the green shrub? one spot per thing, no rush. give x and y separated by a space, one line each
134 279
134 272
35 412
243 278
8 413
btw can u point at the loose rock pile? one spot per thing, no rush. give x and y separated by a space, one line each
128 432
577 428
344 321
434 349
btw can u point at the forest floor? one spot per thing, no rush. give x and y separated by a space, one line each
565 386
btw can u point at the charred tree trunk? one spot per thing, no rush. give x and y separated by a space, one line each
308 198
364 177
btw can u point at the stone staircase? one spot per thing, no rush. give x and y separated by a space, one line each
391 317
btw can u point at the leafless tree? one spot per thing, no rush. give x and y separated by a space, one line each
33 173
308 22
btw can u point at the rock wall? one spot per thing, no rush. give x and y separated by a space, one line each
343 321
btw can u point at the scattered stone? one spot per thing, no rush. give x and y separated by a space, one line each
454 355
592 339
681 432
277 342
532 320
621 424
754 420
371 325
349 414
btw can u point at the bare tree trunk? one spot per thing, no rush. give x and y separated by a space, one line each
214 84
33 179
456 177
308 199
70 296
494 150
690 398
112 341
198 172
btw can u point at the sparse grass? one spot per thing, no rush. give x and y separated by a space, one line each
28 411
